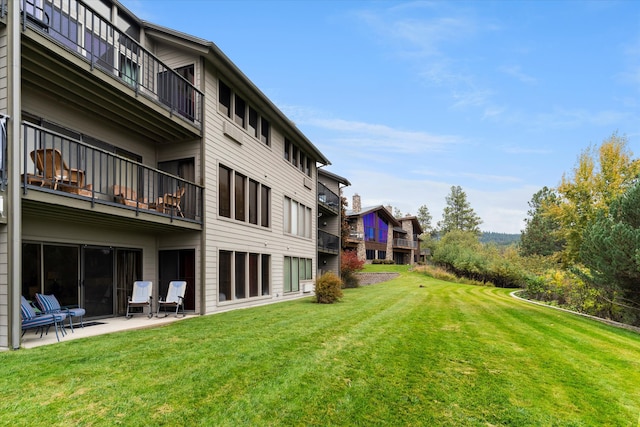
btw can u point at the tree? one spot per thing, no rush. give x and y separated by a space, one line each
397 213
424 219
458 214
611 248
600 176
345 230
541 235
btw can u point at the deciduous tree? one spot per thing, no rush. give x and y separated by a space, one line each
600 176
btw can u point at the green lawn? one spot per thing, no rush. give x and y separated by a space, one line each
413 351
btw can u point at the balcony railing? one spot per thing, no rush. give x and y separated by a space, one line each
404 243
55 163
328 242
78 28
356 235
328 198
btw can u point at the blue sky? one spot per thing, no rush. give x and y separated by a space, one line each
410 98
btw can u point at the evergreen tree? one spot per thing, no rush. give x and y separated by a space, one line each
424 219
541 235
611 248
458 214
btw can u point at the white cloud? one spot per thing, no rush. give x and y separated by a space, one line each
516 72
374 137
502 211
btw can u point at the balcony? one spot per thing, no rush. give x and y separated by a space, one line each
72 53
328 243
404 243
57 165
328 199
356 235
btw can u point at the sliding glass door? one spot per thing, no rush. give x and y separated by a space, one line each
97 281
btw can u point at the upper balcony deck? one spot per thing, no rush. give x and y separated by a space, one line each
71 53
63 176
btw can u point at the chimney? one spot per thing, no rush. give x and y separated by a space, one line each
357 204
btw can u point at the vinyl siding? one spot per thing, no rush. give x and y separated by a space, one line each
266 165
4 281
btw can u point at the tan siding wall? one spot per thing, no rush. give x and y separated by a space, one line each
4 282
267 166
71 233
89 124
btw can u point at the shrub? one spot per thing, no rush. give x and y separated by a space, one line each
349 264
328 288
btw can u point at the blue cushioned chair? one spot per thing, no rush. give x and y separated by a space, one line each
49 304
33 320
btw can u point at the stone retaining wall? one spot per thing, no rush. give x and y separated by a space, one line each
373 278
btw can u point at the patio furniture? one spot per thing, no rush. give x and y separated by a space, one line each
42 322
52 166
175 298
49 304
140 297
128 197
169 202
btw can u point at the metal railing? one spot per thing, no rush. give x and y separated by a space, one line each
81 30
328 242
56 163
328 198
356 235
404 243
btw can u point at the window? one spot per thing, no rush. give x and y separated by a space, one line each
235 107
243 275
265 131
266 274
265 203
254 278
375 228
253 122
287 150
128 71
296 270
382 254
224 99
241 281
253 201
236 201
371 254
297 218
240 111
224 276
240 197
224 192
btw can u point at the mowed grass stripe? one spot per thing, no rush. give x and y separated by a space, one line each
411 351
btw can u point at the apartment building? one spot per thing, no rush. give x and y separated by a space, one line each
375 234
330 219
135 152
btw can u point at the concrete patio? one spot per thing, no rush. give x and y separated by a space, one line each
106 326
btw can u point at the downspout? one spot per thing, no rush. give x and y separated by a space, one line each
14 200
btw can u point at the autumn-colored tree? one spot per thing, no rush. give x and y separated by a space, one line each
349 264
600 176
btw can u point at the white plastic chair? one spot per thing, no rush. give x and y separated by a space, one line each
175 298
140 297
